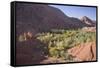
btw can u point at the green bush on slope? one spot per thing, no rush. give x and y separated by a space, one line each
59 43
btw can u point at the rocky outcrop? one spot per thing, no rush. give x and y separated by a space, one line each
88 21
84 52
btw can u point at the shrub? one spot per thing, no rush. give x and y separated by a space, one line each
59 42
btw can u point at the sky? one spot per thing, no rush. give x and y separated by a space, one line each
77 11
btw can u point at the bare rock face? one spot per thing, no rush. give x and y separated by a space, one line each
84 52
88 21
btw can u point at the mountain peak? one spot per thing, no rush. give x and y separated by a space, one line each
87 20
84 18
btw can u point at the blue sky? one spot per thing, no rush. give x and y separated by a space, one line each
77 11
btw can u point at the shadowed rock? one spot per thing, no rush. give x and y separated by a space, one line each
30 52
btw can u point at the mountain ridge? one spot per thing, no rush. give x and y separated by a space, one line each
88 21
38 17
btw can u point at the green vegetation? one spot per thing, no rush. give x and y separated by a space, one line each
60 41
22 38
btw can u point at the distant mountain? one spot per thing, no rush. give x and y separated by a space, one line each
41 18
88 21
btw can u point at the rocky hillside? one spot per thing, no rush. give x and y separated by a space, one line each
88 21
39 18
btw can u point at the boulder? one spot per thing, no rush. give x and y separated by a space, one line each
84 52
